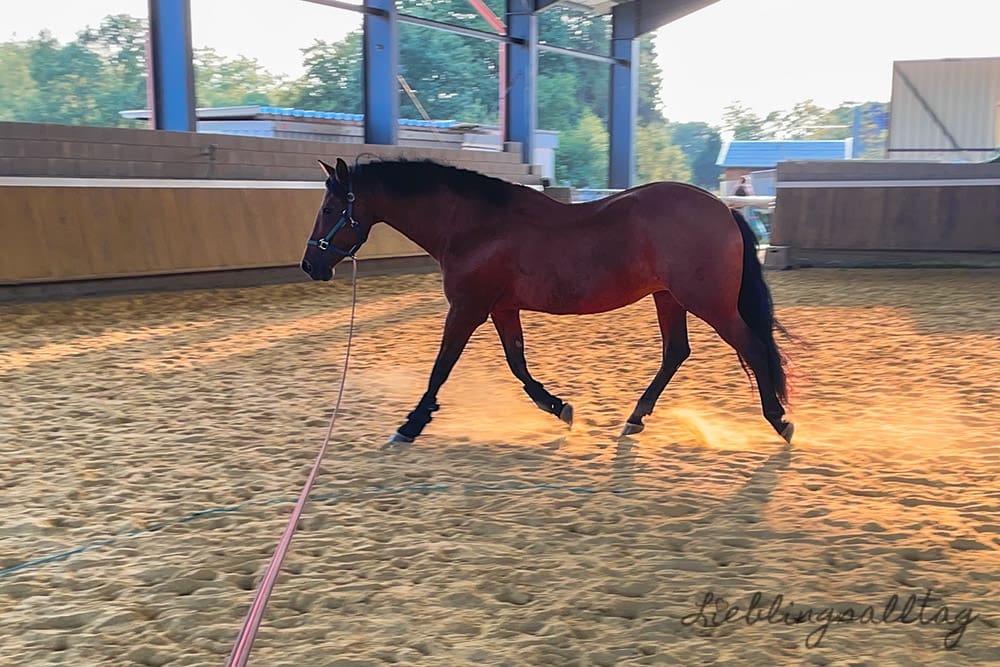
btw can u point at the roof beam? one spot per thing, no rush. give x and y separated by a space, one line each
653 14
650 14
339 4
585 55
458 29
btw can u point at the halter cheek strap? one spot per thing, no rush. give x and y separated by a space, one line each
346 218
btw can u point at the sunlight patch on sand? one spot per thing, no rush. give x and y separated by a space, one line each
187 357
76 346
714 430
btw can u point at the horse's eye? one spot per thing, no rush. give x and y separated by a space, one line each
327 210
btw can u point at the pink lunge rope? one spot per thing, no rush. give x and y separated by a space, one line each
244 642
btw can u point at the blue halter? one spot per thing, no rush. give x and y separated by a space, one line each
346 217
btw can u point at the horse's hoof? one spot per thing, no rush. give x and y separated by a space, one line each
399 438
566 414
632 429
787 432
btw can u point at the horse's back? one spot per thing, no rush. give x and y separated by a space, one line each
681 233
621 207
602 255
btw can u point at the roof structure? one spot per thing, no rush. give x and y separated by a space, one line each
256 112
173 87
651 14
770 153
287 112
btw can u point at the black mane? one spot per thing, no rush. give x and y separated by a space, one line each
406 178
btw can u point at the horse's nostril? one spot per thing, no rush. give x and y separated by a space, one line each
306 266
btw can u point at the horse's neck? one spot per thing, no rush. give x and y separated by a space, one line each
428 221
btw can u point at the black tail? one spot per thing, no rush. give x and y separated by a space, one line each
756 307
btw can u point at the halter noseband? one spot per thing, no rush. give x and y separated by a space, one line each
346 217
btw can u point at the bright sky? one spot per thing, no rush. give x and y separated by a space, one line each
769 54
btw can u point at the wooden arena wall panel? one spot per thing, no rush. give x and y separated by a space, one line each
81 203
104 231
934 207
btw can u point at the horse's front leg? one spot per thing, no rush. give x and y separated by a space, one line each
673 327
508 324
458 328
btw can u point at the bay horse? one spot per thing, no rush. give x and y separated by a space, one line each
504 248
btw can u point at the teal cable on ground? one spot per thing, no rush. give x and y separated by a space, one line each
376 490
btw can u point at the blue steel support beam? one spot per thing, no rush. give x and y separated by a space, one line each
522 74
381 66
172 72
624 95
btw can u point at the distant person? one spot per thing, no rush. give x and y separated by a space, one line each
743 188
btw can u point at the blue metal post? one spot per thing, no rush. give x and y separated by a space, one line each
521 118
171 69
381 58
624 95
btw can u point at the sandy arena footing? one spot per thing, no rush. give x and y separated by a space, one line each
500 538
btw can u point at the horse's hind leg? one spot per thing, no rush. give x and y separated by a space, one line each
508 324
673 327
458 328
753 351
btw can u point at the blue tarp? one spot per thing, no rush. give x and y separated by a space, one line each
333 115
762 154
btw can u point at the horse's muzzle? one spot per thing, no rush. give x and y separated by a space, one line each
316 272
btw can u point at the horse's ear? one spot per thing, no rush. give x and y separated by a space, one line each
343 175
327 169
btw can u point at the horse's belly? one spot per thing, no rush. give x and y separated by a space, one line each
580 297
580 276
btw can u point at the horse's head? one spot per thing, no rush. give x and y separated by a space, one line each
337 233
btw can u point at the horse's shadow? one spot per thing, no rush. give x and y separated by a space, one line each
747 503
553 446
755 493
623 464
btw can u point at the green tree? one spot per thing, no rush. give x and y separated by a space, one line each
222 81
582 158
453 77
700 144
559 108
70 79
803 121
333 78
835 123
572 28
744 123
120 45
650 83
18 92
657 158
87 81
